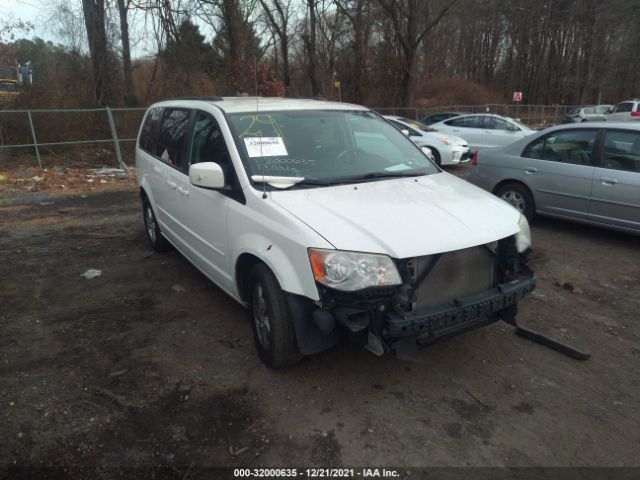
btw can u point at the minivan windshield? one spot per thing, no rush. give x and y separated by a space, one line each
326 147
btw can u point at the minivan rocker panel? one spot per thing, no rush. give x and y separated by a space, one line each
403 217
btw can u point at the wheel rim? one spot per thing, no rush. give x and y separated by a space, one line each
151 223
515 199
261 316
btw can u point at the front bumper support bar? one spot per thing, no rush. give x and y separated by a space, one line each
463 314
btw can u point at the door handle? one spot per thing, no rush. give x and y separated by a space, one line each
455 130
608 181
172 184
530 170
183 191
157 169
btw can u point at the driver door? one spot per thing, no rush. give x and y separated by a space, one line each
203 212
498 132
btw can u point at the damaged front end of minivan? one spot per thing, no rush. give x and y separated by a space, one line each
415 301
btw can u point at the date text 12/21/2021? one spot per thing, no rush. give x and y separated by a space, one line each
315 473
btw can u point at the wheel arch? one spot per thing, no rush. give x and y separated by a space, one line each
502 183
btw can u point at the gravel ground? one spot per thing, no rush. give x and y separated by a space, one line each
149 366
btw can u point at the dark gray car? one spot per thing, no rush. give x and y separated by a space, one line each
584 172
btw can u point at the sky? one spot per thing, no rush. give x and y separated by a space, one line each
30 11
40 13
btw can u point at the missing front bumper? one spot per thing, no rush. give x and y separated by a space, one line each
430 324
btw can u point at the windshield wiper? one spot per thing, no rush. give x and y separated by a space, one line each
376 175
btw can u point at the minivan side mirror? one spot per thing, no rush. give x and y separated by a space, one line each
405 131
206 175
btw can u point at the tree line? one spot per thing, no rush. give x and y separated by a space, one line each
400 53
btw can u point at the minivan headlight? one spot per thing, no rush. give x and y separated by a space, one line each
523 237
352 271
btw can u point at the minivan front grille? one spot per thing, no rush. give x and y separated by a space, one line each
456 274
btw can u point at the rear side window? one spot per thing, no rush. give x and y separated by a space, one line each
624 107
573 146
171 140
149 129
621 151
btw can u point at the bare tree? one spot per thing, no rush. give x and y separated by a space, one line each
278 13
310 45
410 20
94 19
129 93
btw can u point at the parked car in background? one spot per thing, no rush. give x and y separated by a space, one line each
327 223
446 149
625 111
484 130
8 92
586 172
438 117
597 113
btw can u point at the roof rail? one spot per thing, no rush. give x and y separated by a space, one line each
205 98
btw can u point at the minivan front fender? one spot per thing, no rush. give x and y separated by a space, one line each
291 269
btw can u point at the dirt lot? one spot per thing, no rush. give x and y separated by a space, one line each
150 366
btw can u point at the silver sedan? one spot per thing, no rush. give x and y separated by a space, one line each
586 172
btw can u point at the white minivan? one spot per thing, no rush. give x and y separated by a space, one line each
328 223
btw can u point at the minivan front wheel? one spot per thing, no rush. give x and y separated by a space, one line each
519 197
273 330
152 229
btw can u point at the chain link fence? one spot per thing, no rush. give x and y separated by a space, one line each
47 130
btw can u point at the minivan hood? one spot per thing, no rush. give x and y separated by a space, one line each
404 217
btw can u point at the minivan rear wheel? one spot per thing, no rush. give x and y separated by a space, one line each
273 330
152 229
519 197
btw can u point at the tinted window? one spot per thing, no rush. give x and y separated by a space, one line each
149 129
171 140
208 144
623 107
573 146
622 151
471 121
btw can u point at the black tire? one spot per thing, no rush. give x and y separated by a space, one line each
276 339
519 196
152 229
436 156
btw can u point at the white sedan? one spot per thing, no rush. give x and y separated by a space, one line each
446 149
485 130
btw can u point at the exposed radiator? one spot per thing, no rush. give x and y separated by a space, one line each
457 274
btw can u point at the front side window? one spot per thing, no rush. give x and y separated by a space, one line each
574 146
621 151
149 129
494 123
401 127
325 145
208 144
470 121
171 140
